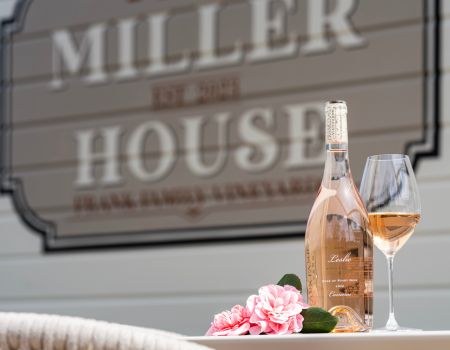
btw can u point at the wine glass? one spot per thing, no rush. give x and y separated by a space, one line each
389 191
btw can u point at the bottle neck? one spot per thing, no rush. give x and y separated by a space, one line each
337 164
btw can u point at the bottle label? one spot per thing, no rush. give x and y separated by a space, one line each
347 272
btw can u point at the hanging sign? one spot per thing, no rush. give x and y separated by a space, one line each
158 121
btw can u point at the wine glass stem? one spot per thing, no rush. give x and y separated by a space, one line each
391 323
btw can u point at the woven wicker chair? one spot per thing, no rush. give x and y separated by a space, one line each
21 331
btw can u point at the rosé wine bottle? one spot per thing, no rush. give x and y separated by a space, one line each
338 245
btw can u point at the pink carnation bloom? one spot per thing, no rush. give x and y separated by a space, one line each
234 322
276 310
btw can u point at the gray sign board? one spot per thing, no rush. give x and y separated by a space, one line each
134 122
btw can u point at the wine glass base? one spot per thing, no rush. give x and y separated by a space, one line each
399 329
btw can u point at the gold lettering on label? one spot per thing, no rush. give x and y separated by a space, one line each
336 259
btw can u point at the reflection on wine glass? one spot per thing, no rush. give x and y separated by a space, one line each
389 191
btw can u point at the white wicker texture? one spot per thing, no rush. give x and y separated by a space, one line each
22 331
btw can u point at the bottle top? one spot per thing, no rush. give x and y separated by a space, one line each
336 122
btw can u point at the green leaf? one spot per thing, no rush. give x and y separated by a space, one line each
292 280
317 320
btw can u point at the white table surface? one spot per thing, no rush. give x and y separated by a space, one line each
427 340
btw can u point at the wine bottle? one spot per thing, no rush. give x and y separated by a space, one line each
338 245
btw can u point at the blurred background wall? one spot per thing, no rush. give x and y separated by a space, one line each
179 287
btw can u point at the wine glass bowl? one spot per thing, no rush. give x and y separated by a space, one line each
389 184
391 230
391 196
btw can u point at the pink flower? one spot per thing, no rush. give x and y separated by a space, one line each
234 322
276 310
